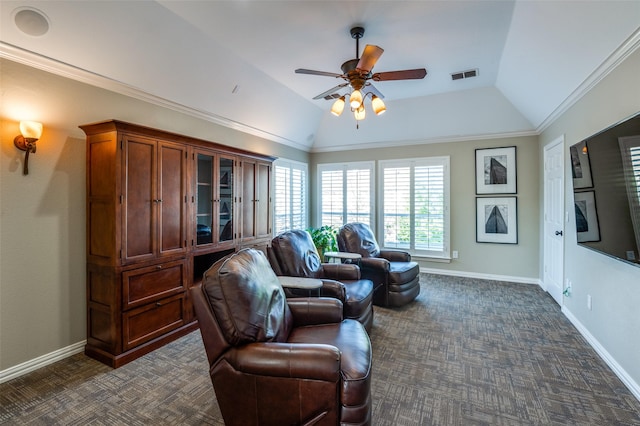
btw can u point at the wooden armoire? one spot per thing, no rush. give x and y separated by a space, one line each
161 208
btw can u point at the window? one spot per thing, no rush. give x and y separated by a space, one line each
290 195
346 193
415 206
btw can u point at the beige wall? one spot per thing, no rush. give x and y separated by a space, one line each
613 322
42 219
518 262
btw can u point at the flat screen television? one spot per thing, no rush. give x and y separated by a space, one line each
606 190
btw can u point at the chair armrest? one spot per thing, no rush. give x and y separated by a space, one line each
395 255
333 288
289 360
375 263
315 310
341 271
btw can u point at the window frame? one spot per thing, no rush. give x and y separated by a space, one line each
445 161
345 167
291 165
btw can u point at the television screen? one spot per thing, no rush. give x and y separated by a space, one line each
606 190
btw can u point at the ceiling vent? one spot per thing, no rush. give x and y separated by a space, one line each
464 74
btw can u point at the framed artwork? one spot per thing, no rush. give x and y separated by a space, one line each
497 220
587 225
580 166
496 170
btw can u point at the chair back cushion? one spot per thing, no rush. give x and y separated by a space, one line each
296 254
247 299
357 237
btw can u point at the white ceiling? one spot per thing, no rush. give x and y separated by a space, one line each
533 57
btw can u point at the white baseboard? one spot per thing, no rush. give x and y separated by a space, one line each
41 361
480 276
633 387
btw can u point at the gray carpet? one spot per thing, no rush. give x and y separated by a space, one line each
466 352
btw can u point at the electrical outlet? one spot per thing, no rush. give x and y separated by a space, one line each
455 254
589 301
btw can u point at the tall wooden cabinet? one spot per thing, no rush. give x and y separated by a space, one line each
161 208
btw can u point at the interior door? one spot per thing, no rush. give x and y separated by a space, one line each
553 268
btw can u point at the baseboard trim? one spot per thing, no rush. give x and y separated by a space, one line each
492 277
633 387
41 361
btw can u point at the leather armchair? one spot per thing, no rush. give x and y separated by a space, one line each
293 253
279 361
394 275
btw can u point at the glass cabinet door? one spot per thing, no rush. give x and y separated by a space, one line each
204 199
225 199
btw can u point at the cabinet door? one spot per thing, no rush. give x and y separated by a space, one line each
225 200
139 198
248 199
263 200
214 200
256 200
204 197
172 198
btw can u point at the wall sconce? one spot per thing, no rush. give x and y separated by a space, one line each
26 141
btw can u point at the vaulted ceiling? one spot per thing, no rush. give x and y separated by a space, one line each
233 62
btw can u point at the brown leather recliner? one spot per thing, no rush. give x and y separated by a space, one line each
292 253
395 277
279 361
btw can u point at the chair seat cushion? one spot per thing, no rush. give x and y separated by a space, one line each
352 341
403 272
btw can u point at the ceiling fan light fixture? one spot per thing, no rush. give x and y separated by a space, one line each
355 99
360 113
338 106
377 105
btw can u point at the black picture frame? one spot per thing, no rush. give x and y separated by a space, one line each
497 220
496 170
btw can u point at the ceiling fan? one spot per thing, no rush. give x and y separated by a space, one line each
358 74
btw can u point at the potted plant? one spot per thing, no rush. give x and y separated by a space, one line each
324 238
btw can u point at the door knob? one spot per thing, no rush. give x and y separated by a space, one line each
559 233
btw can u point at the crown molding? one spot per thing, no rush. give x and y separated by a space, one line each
53 66
629 46
452 139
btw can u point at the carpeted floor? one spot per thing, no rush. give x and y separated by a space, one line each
466 352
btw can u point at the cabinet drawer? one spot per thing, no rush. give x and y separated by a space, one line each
153 320
144 285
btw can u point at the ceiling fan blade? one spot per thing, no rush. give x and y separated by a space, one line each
313 72
415 74
330 91
371 88
369 57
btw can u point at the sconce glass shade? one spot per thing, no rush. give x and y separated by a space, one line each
377 105
31 129
360 113
338 106
355 100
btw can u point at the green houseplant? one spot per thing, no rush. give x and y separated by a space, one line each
324 238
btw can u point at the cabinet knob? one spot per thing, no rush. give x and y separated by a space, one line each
158 266
158 304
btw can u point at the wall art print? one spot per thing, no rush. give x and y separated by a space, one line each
497 220
496 170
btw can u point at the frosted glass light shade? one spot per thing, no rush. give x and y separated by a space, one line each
377 105
31 129
360 113
338 106
355 100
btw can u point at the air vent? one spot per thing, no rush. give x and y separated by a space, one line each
464 74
